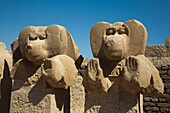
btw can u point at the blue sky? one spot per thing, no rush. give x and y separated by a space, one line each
78 16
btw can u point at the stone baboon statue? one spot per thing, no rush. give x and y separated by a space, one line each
47 54
119 56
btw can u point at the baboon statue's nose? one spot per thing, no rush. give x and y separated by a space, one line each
29 46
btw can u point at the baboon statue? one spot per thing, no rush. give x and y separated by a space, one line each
47 54
118 51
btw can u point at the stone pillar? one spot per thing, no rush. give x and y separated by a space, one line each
77 97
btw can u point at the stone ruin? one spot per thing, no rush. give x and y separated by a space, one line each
49 75
160 57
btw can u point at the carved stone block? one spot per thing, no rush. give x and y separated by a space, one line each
35 99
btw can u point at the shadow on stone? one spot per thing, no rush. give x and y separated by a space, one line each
36 94
6 86
63 99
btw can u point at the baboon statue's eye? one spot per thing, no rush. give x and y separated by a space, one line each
121 31
42 37
110 31
32 38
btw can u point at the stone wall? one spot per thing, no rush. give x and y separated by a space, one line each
158 50
159 55
161 104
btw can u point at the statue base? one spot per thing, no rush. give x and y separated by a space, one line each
115 101
30 99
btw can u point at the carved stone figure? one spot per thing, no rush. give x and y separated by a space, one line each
48 53
119 52
119 67
45 66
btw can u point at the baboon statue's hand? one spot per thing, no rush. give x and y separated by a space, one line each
95 80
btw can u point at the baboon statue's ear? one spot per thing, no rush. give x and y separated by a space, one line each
64 43
96 38
72 49
56 40
137 37
16 53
